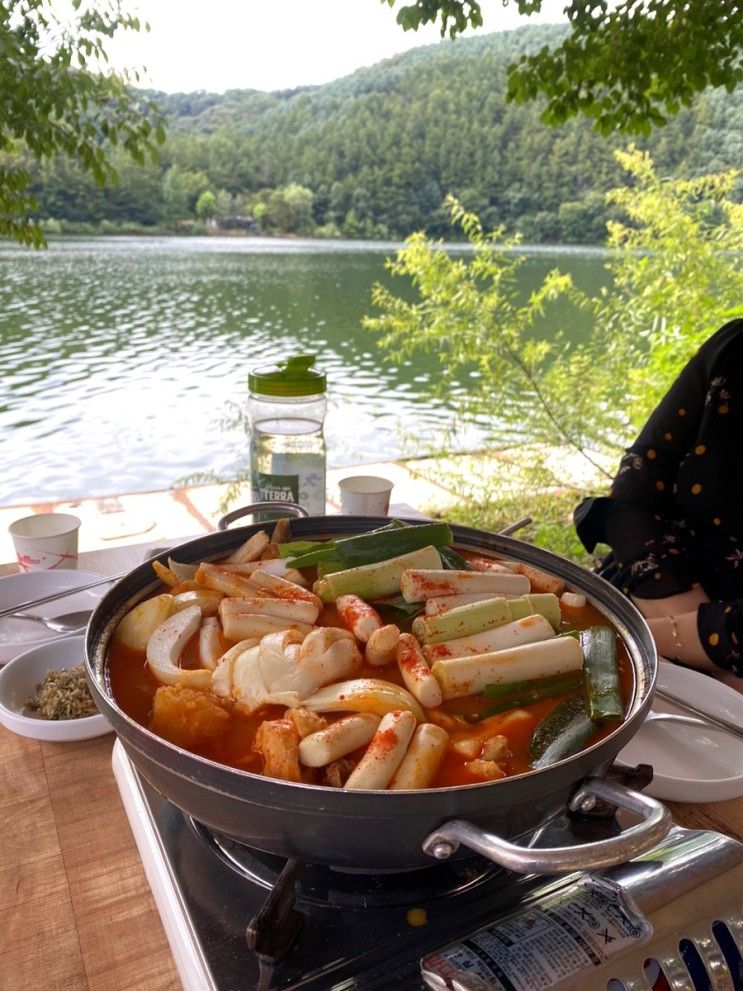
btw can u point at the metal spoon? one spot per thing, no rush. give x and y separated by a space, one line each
66 623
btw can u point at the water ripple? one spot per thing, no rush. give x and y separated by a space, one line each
120 356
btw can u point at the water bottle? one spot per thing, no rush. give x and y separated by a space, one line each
286 407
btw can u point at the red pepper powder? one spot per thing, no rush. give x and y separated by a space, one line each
410 657
385 741
431 588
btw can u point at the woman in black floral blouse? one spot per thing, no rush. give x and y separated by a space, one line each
674 519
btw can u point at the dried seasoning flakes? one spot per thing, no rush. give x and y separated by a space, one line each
63 694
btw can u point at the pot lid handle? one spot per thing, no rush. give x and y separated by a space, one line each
292 508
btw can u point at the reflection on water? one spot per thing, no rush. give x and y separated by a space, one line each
119 356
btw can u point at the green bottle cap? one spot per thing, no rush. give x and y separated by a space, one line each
293 377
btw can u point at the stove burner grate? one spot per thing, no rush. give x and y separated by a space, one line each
360 930
317 884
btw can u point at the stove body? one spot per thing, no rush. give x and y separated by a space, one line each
231 927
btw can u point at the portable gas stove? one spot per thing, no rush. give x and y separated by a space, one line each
241 920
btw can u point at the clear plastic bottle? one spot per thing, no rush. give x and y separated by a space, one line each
287 406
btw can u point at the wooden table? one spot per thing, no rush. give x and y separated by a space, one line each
76 913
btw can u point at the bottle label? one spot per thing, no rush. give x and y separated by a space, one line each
275 488
546 945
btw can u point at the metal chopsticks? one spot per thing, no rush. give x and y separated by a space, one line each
32 603
718 721
518 525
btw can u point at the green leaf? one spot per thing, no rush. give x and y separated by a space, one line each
54 99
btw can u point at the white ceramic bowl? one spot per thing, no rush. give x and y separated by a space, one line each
19 635
18 680
691 763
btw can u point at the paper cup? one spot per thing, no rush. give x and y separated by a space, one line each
46 541
365 495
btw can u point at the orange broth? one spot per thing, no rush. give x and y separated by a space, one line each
133 687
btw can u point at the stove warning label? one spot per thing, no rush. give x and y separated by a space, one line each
544 946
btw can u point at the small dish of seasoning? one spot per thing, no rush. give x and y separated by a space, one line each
44 695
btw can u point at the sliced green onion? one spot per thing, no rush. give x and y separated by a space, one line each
599 645
552 685
538 691
563 733
377 545
453 561
297 547
397 610
450 559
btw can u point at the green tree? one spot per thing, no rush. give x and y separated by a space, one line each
181 190
260 213
539 227
389 141
206 205
676 277
583 220
55 98
321 203
676 274
289 209
627 65
352 226
337 203
226 205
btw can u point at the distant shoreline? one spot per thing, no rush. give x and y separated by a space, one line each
328 243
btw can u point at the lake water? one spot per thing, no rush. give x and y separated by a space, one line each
121 357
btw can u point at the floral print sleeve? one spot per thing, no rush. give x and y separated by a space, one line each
720 628
641 522
674 517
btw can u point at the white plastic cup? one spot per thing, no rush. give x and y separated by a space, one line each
365 495
45 541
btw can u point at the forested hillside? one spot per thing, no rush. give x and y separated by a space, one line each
375 153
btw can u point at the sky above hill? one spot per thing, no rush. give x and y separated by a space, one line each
277 44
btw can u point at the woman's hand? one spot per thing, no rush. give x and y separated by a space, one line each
683 644
673 624
677 639
672 605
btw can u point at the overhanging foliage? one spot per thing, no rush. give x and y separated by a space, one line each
628 65
55 96
676 277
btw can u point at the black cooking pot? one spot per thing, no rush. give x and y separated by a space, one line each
392 829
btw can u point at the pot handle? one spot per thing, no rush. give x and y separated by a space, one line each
292 508
656 822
